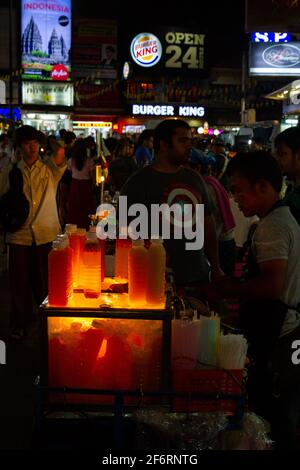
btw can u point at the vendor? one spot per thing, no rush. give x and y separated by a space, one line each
168 181
30 244
270 296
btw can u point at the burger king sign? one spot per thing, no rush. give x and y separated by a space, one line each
146 49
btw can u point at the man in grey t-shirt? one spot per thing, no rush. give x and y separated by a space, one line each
168 182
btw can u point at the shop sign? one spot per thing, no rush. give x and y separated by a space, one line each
146 49
171 48
127 69
50 94
95 48
184 50
97 124
167 110
277 59
46 39
270 37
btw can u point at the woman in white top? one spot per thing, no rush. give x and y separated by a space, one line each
81 202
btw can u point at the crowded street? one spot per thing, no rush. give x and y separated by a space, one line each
150 230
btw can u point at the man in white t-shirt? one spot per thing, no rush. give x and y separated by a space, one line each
30 244
271 295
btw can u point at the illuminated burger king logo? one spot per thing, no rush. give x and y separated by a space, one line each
146 49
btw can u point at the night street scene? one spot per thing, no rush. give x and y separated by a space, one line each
149 231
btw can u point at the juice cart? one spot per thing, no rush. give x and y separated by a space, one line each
109 357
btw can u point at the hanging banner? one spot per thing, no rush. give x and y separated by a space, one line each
50 94
94 48
46 39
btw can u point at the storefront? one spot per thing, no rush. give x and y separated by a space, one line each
83 126
290 98
47 121
6 122
142 116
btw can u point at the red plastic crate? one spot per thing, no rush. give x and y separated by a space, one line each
206 381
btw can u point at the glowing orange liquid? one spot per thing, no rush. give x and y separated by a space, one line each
156 282
80 274
60 281
122 250
102 257
74 240
137 274
91 270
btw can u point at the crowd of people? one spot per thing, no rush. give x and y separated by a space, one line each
168 166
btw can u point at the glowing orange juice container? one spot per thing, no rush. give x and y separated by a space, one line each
155 293
102 251
121 261
71 231
91 266
60 282
137 272
81 236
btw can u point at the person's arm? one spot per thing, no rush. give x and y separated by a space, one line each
59 156
271 248
268 285
57 161
211 247
4 179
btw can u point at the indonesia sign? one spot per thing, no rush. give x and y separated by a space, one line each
46 39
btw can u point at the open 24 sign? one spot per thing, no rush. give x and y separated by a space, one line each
184 50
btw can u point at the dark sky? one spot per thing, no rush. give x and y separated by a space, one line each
221 15
222 21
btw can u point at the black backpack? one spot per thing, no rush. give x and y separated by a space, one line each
14 206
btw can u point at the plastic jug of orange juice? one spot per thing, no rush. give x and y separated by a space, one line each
91 266
59 273
155 293
71 231
123 246
102 251
81 237
137 272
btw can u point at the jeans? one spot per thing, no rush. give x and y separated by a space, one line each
28 279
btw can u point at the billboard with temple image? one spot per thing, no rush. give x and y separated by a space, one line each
46 39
